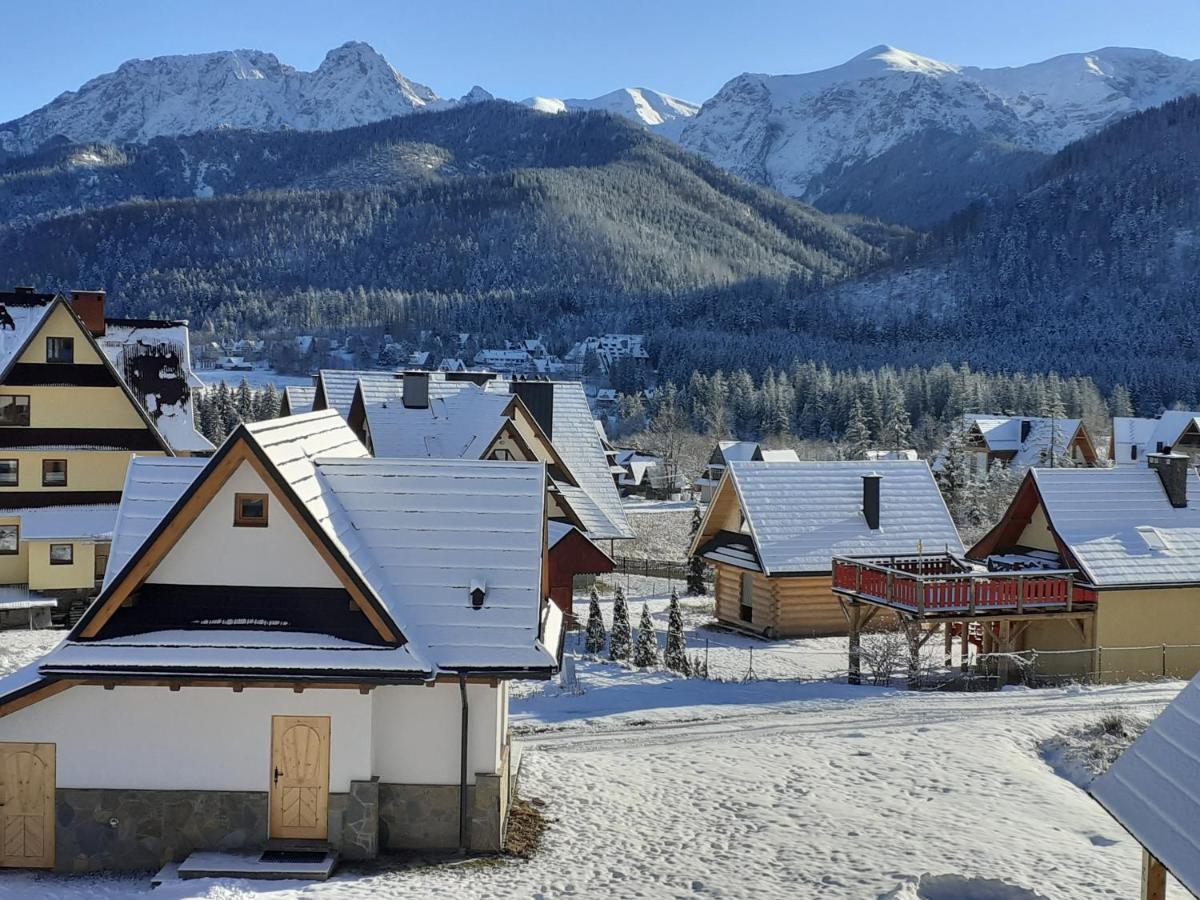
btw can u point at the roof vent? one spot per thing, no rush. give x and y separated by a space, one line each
1026 427
870 499
1172 469
478 593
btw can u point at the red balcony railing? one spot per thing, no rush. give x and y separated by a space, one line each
940 585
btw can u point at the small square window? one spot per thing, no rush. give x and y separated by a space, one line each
250 510
62 554
9 472
54 473
14 409
60 350
10 537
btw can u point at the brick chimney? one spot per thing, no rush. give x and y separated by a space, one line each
1172 469
89 306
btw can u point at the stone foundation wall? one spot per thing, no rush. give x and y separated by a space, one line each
425 816
112 829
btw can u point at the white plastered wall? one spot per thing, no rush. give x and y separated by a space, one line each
215 551
210 738
197 738
418 732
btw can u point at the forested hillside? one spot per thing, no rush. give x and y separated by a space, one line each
576 218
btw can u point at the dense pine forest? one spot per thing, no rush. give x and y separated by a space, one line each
498 221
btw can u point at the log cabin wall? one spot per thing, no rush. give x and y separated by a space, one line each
783 606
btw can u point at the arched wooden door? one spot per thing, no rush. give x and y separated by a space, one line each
300 777
27 805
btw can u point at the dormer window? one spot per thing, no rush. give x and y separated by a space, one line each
250 510
60 350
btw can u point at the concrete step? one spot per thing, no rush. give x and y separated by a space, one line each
313 864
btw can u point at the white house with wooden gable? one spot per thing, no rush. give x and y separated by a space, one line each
293 642
773 528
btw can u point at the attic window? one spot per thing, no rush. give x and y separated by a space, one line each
60 350
1152 537
250 510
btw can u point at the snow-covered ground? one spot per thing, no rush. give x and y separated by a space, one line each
789 785
19 647
258 378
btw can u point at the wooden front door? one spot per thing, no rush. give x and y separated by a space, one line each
27 805
300 777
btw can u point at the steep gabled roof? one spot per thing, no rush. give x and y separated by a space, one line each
1117 525
297 399
335 387
410 538
1153 789
800 515
461 426
575 438
30 317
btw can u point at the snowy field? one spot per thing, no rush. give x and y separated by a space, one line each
663 528
258 378
790 784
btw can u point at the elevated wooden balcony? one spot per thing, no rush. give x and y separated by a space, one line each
941 586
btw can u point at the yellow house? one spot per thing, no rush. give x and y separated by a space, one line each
773 528
69 426
1132 533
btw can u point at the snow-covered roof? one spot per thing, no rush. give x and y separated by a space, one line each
152 356
779 456
737 450
1120 527
75 522
1147 434
339 384
1153 789
27 316
240 650
802 514
299 398
459 426
152 486
575 438
432 527
416 533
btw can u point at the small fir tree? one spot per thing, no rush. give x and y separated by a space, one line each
857 436
594 642
645 653
675 656
620 638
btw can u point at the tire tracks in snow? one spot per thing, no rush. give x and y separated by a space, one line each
896 712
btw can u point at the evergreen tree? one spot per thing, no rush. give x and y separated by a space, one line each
696 566
620 638
857 436
594 642
267 404
675 658
645 652
955 474
1121 403
244 401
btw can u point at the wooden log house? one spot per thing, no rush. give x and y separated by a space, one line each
773 529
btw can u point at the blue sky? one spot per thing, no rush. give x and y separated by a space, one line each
571 48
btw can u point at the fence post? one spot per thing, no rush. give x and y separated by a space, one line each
1099 662
1164 674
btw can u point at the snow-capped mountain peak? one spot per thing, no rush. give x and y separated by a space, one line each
786 131
655 110
172 95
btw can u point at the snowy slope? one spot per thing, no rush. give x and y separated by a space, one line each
172 95
786 130
659 112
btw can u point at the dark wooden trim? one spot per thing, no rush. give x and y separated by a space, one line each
39 499
14 437
74 374
30 695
